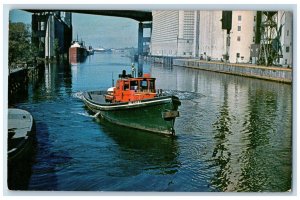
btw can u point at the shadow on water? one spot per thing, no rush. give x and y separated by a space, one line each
19 171
47 162
154 153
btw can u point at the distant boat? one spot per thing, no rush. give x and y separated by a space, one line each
90 50
99 49
21 130
77 52
135 103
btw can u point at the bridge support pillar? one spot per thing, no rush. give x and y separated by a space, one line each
143 43
140 49
50 37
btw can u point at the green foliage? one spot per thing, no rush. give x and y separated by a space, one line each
20 48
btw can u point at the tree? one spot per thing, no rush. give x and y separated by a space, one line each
20 48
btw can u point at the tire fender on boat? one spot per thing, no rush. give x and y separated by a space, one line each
171 114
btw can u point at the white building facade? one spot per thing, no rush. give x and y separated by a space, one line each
241 36
199 34
173 33
286 39
212 38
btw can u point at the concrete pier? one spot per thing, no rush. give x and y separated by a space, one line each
269 73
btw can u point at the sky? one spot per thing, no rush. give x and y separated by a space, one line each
105 31
97 31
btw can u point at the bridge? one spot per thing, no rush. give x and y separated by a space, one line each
43 26
141 16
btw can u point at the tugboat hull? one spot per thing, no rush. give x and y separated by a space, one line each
154 115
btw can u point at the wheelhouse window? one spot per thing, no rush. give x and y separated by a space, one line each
126 85
152 85
133 85
144 85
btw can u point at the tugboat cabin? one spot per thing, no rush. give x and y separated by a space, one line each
130 89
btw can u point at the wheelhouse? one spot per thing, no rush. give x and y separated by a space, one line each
130 89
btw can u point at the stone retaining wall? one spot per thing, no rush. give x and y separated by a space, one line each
262 72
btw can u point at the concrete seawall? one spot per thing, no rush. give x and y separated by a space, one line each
261 72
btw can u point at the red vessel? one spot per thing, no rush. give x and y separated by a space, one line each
135 103
77 53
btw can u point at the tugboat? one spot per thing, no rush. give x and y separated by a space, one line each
135 103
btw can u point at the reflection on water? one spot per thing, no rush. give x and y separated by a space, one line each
260 132
246 123
221 154
233 133
153 153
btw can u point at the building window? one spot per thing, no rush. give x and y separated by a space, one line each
287 33
239 28
254 18
287 49
239 18
254 29
253 40
285 61
237 55
239 38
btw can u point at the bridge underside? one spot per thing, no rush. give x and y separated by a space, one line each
141 16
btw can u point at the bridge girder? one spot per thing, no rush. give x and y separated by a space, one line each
141 16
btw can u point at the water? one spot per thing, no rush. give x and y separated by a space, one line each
233 133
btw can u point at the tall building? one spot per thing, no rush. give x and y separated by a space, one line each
173 33
241 36
286 39
212 38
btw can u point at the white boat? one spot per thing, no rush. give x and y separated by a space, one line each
21 130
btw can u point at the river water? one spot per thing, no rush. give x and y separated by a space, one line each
233 133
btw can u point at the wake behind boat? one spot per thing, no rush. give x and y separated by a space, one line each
135 103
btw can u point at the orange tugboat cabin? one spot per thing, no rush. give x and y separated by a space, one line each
130 89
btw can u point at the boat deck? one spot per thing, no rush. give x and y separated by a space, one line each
97 97
19 122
